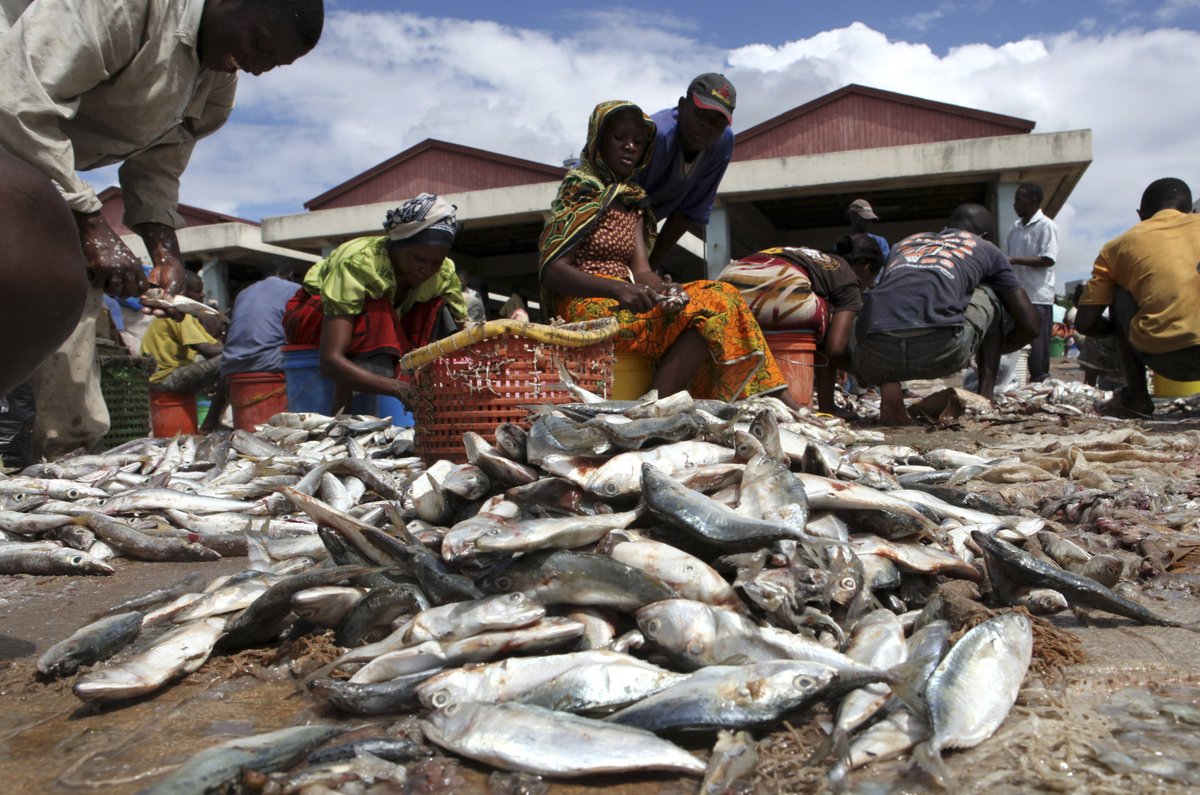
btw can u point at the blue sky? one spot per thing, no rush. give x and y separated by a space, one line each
941 24
520 78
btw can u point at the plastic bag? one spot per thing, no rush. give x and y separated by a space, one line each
16 427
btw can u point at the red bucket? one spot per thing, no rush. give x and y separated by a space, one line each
256 398
795 353
172 413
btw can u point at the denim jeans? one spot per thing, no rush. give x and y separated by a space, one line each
886 357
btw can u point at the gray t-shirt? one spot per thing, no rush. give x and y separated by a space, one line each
929 280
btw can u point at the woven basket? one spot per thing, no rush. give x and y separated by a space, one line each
124 382
488 383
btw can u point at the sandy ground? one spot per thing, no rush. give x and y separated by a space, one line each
50 742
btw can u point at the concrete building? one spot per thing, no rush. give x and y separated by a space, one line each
791 180
228 252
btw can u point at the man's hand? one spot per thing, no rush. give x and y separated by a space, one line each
111 265
166 260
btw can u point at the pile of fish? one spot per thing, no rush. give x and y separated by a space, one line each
576 597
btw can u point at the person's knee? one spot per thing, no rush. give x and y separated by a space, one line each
41 267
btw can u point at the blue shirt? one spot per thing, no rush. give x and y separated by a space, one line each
671 190
256 328
883 245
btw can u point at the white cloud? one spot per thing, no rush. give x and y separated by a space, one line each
378 84
1172 10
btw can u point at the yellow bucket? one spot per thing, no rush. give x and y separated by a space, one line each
1165 387
632 373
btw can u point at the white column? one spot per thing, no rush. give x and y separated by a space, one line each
1006 216
215 274
716 243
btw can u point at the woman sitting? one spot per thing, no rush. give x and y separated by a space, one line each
793 289
375 298
594 264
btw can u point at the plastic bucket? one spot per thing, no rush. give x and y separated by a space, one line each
1165 387
795 353
172 413
1058 347
308 390
393 407
256 398
632 374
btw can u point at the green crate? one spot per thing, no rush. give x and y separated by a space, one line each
124 381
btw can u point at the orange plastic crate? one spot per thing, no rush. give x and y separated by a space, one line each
487 384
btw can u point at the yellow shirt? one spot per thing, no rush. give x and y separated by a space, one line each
360 269
1158 262
169 343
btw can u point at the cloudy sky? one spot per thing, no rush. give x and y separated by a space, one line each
520 78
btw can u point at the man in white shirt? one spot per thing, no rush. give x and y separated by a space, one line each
1033 250
138 82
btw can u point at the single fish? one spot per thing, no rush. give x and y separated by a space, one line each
549 743
90 644
136 544
213 767
972 690
1021 567
731 696
575 578
397 695
25 558
710 521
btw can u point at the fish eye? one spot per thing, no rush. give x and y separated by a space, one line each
610 488
72 494
652 627
77 560
451 709
695 647
502 583
440 699
18 498
516 597
848 583
804 682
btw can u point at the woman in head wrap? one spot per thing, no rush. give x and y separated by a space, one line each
373 299
594 264
802 289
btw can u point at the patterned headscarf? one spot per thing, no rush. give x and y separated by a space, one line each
590 187
426 219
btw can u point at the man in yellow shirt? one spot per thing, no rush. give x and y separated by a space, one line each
174 342
1150 279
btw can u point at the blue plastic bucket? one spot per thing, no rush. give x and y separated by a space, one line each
394 407
308 390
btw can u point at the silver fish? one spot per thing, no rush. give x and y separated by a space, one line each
90 644
213 767
177 653
971 692
549 743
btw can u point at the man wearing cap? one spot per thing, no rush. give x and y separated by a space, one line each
862 218
692 148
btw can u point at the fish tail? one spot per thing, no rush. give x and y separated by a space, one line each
907 681
929 758
839 774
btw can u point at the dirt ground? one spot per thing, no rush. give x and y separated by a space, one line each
1137 697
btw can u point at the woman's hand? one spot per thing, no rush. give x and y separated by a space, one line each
637 298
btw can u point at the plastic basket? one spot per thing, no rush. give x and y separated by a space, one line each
124 382
490 382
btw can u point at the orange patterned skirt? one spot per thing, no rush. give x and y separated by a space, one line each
740 365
